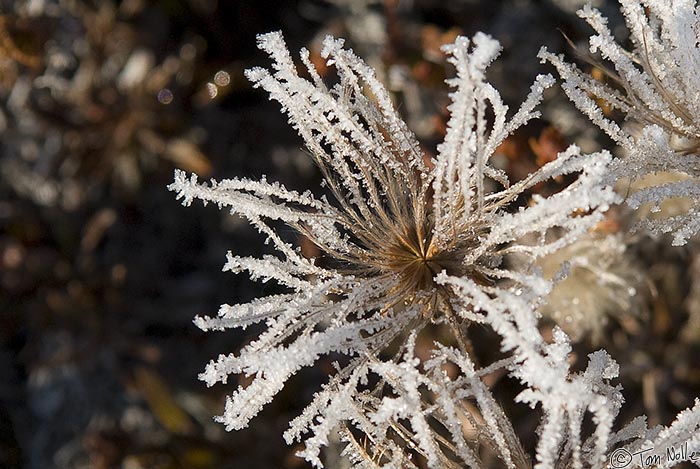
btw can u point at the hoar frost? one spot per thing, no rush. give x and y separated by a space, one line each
655 85
407 241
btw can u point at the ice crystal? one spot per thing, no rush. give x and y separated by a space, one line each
405 242
543 368
665 446
654 85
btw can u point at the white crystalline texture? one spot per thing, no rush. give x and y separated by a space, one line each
418 243
656 85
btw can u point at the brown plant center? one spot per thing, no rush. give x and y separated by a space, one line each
417 259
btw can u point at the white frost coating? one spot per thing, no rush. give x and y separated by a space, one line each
544 369
411 243
655 84
681 439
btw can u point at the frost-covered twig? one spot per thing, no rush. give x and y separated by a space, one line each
655 85
402 239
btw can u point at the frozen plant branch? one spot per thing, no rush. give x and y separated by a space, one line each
408 242
655 86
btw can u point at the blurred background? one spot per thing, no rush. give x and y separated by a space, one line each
102 270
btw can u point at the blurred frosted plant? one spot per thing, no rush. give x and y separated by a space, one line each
654 85
602 281
397 222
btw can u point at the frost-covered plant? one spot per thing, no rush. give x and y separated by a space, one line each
602 281
567 398
654 85
407 241
658 446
